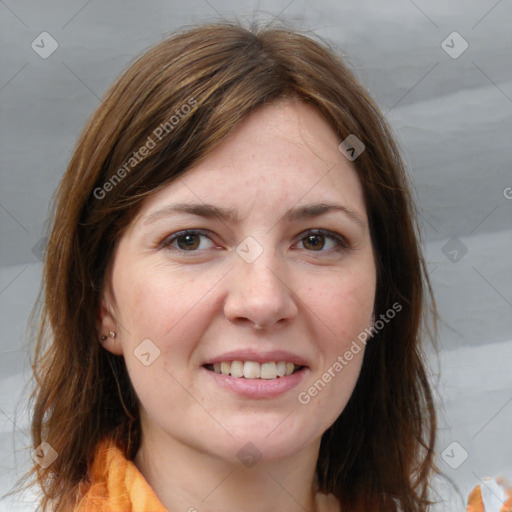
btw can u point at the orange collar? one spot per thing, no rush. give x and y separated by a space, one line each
495 496
117 485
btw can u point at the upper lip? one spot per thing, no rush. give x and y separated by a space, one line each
259 356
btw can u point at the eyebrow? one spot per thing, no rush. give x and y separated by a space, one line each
227 214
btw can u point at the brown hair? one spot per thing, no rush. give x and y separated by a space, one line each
378 454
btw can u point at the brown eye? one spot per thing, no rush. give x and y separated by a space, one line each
319 240
188 242
191 241
314 242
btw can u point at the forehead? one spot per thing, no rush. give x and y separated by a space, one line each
282 153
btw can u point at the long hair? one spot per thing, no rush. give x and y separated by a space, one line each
180 100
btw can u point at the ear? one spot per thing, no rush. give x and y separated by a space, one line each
108 327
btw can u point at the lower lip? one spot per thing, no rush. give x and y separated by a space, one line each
258 388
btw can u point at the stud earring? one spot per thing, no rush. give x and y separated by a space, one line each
112 334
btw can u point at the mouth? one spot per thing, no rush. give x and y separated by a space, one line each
256 374
270 370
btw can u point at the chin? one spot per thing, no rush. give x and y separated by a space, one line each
264 440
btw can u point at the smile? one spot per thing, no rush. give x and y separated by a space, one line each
254 370
250 379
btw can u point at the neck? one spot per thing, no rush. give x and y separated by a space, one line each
187 479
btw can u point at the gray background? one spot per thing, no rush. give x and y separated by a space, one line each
451 112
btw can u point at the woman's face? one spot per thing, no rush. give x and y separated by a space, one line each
259 255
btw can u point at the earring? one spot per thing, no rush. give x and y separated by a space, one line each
112 334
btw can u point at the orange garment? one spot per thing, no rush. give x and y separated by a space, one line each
476 501
116 485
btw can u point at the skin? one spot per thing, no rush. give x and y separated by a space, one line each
308 296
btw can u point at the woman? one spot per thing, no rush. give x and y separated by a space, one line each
234 292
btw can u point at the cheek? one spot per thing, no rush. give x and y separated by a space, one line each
156 300
171 310
344 304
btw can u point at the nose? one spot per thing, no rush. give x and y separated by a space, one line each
260 294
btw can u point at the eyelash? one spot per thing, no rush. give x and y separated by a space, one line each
340 241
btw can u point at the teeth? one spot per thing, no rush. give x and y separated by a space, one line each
268 371
237 369
225 368
254 370
281 369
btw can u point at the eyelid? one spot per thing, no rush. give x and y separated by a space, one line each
341 241
168 240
